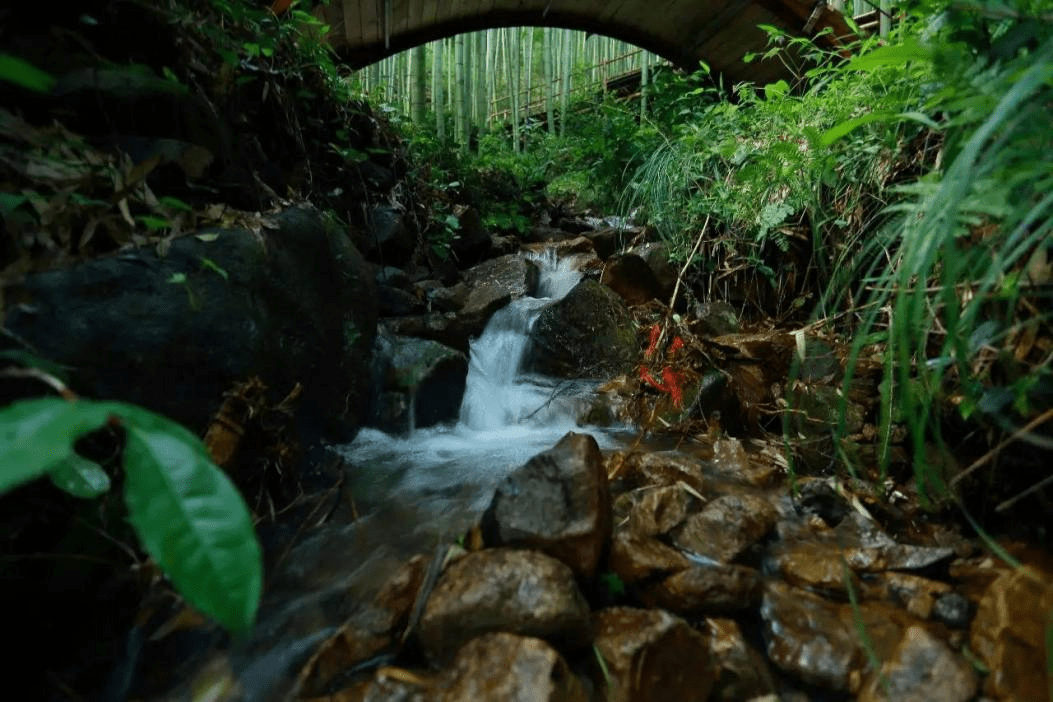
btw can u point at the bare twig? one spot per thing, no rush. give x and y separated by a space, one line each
46 378
986 458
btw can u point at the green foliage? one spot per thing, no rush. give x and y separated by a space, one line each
959 288
24 74
189 517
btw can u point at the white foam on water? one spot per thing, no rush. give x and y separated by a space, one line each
506 416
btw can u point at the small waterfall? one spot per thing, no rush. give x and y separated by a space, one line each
506 417
495 394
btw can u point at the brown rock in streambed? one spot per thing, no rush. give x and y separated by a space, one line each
504 667
706 590
558 503
726 527
500 589
650 655
634 557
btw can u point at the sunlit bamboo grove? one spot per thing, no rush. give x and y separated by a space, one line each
517 77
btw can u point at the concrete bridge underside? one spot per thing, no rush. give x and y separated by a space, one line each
719 32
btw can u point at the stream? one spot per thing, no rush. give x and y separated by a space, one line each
764 585
506 417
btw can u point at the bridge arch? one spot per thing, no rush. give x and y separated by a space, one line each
719 32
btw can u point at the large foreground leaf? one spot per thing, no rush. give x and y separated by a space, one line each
38 435
191 518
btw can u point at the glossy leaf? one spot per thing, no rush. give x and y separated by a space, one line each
191 519
80 477
37 435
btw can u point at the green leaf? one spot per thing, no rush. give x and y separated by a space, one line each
191 518
892 55
37 435
838 131
178 278
21 72
154 223
176 204
80 477
214 267
207 238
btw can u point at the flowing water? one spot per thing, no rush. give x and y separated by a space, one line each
413 492
506 417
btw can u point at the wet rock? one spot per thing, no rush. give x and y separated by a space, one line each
658 510
742 672
651 655
922 669
566 247
587 334
818 640
819 497
634 557
706 590
657 468
715 319
382 687
440 298
633 280
814 565
429 375
446 328
558 503
522 592
296 304
574 225
656 255
472 243
726 527
503 245
389 240
1008 634
369 630
952 609
395 302
543 233
609 240
732 462
496 282
914 593
503 667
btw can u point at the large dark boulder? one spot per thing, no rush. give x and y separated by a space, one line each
587 334
295 304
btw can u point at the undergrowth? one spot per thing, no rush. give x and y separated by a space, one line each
898 200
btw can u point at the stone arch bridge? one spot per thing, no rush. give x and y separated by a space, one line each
719 32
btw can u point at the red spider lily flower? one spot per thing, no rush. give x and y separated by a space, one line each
672 381
677 344
655 333
645 375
